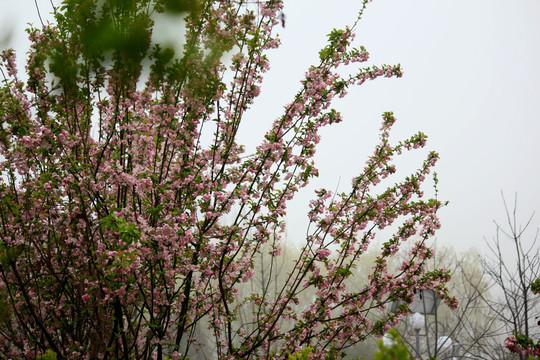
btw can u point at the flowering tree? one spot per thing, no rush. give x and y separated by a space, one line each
114 242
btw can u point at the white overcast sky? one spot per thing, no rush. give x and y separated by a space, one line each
471 83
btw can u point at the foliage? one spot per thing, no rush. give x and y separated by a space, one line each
130 216
535 286
49 355
396 351
301 354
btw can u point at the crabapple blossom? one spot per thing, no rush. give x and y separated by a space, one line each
124 233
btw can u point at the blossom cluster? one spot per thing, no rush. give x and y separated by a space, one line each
522 346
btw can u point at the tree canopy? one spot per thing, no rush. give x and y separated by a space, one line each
122 231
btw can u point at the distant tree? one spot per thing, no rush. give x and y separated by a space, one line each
521 343
513 268
130 216
470 331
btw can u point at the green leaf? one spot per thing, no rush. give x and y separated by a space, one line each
535 286
343 271
49 355
302 354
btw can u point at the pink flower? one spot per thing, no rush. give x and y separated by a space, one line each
323 253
